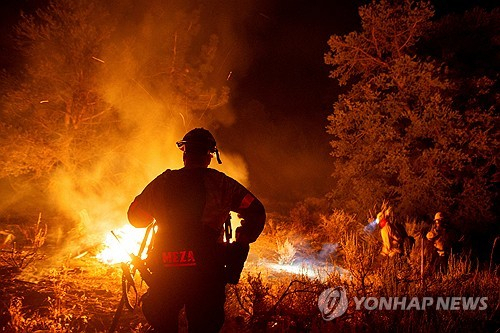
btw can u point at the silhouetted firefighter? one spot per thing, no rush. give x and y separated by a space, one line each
189 262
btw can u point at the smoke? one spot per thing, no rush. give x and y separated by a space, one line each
314 265
286 156
153 77
327 249
370 227
166 69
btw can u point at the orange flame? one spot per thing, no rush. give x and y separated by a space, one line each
116 252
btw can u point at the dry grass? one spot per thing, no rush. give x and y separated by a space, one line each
19 254
265 301
286 252
81 295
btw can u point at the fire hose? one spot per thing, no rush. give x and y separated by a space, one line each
128 272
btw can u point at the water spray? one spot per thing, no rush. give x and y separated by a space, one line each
370 227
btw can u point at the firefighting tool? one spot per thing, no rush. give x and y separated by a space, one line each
128 272
235 255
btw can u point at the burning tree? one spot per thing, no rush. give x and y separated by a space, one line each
404 131
98 96
54 115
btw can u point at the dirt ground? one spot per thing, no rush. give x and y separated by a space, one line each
77 295
58 294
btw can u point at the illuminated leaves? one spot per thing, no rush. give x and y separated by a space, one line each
390 29
405 130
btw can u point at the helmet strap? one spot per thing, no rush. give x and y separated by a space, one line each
218 157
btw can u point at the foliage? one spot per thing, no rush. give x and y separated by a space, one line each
288 231
338 224
288 305
389 31
359 258
54 116
401 132
468 45
23 253
307 213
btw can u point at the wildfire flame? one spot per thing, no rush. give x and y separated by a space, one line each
130 241
131 238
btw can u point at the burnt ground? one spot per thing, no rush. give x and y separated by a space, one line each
55 292
77 295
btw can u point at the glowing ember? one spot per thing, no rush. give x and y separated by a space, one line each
130 242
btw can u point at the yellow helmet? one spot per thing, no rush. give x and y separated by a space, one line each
439 216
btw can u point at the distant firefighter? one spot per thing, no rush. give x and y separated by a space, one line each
395 239
442 235
392 240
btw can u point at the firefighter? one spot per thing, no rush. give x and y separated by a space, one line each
394 236
442 236
188 261
390 238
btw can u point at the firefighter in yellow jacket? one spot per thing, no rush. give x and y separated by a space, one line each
390 238
190 206
394 236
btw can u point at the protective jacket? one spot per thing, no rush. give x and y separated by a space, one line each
392 240
190 207
443 238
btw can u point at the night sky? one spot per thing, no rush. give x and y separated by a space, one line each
286 96
283 95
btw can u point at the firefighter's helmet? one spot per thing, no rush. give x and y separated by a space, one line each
439 216
200 141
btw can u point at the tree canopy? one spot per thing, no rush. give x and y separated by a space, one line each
414 128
